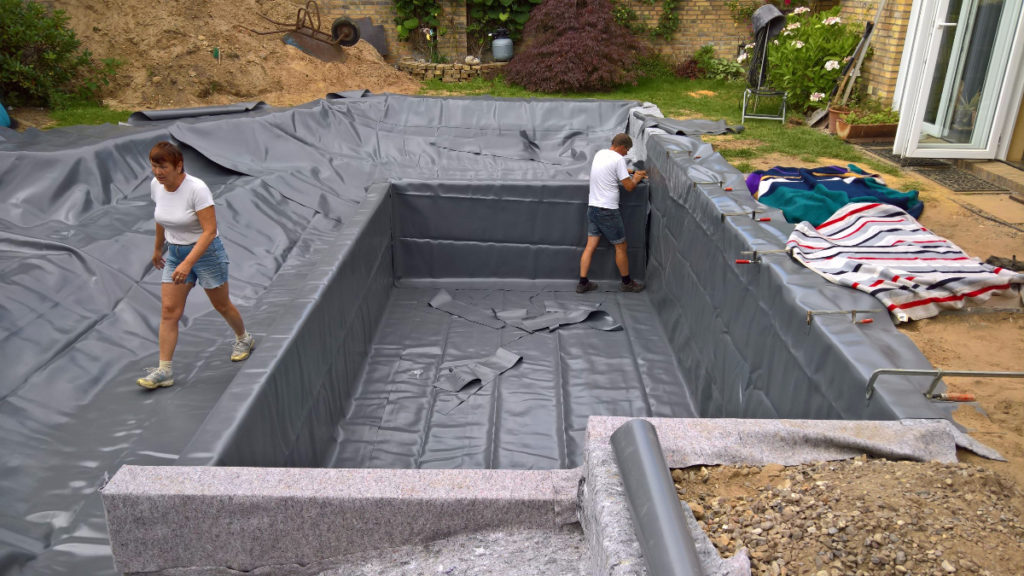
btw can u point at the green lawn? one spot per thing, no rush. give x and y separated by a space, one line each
88 115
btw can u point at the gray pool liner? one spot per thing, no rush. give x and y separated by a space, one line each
342 218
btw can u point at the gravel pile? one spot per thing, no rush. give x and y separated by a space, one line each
861 516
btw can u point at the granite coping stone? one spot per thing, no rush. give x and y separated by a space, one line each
214 520
166 517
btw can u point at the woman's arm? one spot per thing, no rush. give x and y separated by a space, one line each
208 220
158 248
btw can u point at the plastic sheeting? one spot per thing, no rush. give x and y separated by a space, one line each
329 213
740 331
79 301
535 415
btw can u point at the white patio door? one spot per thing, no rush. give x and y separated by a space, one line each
962 82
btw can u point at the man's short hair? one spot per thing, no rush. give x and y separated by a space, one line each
622 140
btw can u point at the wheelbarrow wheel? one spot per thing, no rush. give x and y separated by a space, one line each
345 32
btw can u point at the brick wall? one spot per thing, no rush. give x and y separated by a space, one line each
700 22
881 69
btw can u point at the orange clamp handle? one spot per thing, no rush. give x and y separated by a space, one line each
954 397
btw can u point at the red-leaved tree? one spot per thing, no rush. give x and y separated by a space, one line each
574 46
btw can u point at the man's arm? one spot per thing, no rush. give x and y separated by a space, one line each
630 183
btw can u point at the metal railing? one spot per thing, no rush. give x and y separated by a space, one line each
937 376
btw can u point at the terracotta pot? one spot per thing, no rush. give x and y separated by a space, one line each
865 132
834 112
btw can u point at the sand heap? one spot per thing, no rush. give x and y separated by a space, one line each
168 52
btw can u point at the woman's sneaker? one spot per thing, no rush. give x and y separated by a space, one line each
242 348
156 378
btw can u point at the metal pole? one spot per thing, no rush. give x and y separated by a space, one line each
664 535
937 375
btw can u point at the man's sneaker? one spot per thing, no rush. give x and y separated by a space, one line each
156 378
583 288
242 348
633 286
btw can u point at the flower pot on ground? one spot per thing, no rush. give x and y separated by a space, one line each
834 112
868 126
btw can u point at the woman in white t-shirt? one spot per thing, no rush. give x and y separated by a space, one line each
186 226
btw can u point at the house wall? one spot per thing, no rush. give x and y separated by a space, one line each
1016 151
881 69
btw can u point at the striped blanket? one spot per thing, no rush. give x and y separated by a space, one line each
882 250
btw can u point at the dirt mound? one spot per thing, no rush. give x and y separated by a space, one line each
168 52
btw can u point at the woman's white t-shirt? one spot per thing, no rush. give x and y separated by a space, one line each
176 211
607 171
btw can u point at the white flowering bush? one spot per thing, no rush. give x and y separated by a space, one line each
807 57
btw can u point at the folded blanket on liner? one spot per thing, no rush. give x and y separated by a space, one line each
814 194
882 250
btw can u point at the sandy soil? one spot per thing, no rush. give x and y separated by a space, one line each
168 53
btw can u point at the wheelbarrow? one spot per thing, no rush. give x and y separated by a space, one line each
306 35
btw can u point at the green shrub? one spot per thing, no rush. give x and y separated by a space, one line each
717 68
41 62
871 116
807 58
654 65
574 46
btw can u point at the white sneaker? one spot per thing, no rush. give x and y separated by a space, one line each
156 378
242 348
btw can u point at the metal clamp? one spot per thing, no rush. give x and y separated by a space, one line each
937 376
752 213
755 255
853 315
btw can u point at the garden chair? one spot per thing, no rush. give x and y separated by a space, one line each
768 21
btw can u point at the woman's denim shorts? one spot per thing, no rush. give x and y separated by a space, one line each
606 222
210 271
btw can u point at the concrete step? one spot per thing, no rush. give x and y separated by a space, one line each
999 173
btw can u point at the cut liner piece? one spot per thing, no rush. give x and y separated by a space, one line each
443 301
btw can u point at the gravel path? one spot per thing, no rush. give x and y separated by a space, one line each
861 516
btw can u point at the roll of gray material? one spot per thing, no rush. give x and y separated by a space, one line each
658 520
179 113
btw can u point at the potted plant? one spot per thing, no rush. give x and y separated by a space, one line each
834 112
862 125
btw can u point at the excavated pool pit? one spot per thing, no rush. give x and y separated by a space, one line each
482 198
371 404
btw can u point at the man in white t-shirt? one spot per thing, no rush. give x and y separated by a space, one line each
603 217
